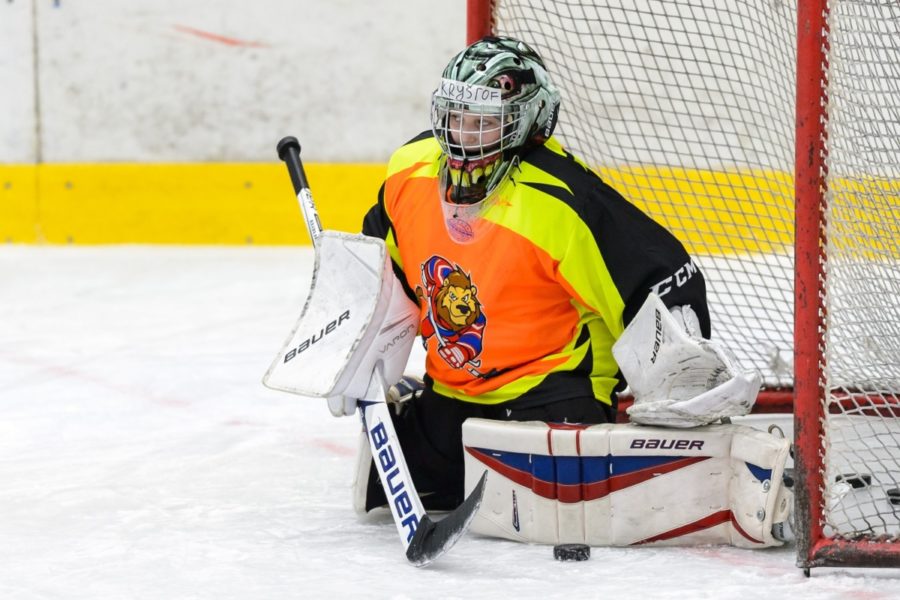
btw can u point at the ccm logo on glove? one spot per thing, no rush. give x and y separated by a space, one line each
322 333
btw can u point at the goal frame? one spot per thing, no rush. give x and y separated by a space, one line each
806 399
814 548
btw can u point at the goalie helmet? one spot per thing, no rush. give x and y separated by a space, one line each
495 101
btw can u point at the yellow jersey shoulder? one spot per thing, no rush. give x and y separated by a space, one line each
422 152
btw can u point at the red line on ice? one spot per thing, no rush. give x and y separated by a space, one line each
215 37
334 448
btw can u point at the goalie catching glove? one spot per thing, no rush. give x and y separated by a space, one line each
678 378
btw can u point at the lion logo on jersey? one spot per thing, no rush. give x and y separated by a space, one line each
457 301
454 315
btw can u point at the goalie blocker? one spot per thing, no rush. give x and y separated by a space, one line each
356 318
625 485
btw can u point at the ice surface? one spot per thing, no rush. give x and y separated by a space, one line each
141 457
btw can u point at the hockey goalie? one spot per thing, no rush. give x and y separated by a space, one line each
540 293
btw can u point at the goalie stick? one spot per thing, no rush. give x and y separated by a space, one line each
423 538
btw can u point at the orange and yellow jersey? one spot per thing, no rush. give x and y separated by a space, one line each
527 310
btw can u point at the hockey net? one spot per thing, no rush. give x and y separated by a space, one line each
694 110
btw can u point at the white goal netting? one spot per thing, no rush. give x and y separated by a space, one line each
688 108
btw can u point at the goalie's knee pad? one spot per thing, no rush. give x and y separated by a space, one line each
621 485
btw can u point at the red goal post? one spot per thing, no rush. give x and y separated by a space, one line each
766 136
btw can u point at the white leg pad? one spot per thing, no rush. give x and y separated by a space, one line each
622 485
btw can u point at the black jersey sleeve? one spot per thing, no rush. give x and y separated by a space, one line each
376 222
643 256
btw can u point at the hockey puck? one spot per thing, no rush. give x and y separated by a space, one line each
893 496
571 552
855 480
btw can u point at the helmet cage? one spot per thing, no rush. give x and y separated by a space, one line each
474 136
495 101
474 132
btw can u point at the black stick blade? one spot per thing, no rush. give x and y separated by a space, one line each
432 539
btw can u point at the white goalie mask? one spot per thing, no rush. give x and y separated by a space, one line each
474 137
495 100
